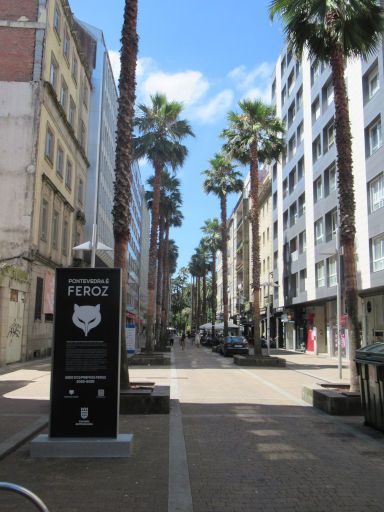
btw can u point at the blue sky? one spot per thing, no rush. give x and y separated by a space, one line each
208 54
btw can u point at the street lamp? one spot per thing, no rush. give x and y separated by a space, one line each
274 285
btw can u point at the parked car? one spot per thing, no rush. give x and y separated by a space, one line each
233 345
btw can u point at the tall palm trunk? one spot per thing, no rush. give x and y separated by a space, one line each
204 297
224 252
214 292
198 318
122 190
153 256
160 284
254 214
346 204
165 290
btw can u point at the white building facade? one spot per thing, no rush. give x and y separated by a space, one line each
304 201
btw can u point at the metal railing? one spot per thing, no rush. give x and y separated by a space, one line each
26 493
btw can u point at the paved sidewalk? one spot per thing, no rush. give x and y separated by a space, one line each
237 440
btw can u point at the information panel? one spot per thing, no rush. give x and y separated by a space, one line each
86 353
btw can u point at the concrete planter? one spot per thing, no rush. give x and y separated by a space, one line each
154 359
335 400
146 400
259 361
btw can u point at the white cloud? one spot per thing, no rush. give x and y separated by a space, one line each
187 87
257 93
255 81
216 107
144 65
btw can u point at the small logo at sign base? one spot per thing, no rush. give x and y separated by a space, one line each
84 413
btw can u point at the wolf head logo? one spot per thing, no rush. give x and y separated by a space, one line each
86 317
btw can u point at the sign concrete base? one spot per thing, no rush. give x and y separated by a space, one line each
44 446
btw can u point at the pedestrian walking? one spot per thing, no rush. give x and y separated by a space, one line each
197 340
182 341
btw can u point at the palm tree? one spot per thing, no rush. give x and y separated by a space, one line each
124 156
212 242
222 179
253 135
333 31
161 132
170 198
173 218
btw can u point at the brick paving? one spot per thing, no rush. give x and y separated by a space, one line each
250 443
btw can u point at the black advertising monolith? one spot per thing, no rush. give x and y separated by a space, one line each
86 353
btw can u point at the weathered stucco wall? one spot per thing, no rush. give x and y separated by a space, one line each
18 121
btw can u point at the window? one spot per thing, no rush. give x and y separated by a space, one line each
275 230
82 135
68 175
319 231
283 95
331 225
49 144
64 95
316 149
332 271
374 134
66 44
64 243
274 172
267 234
315 71
55 229
57 20
300 133
39 298
329 136
291 81
373 82
299 98
44 220
263 237
59 161
275 259
300 168
53 73
378 253
293 213
302 205
283 66
328 95
80 191
315 110
285 219
302 242
72 112
332 178
303 278
273 91
376 193
75 68
292 146
285 187
275 200
292 180
320 274
291 113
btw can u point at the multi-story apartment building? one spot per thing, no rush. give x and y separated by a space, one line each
45 83
240 257
304 196
101 150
